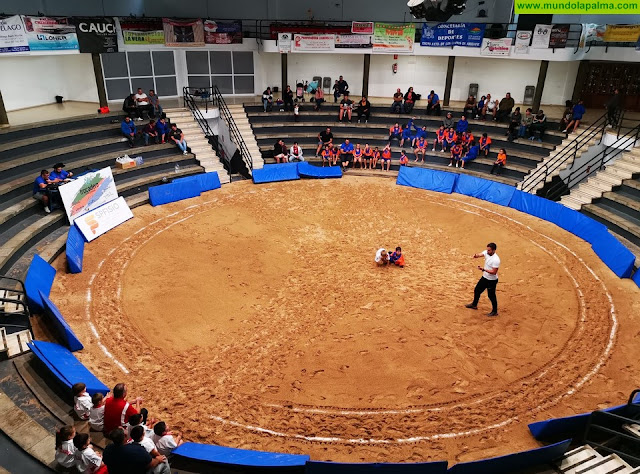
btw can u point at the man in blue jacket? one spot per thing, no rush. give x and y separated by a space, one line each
128 130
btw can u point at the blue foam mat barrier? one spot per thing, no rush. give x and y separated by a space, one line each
75 249
431 180
484 189
64 331
615 255
166 193
39 278
66 367
318 467
636 277
205 181
513 462
239 457
277 172
309 171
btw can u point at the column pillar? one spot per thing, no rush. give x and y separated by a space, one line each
284 71
365 74
449 80
4 119
542 77
581 79
97 70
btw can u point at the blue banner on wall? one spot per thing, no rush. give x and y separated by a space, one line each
453 34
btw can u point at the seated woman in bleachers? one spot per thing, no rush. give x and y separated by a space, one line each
319 99
374 158
485 144
525 123
363 109
409 100
538 126
462 125
514 124
367 156
566 116
470 106
500 162
267 100
280 152
479 107
287 97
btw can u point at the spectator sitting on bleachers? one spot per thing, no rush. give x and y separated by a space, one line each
346 108
514 124
421 132
319 98
487 103
267 100
566 115
450 139
136 420
327 155
471 155
123 458
65 450
576 116
465 139
364 109
433 103
87 461
504 108
138 437
150 130
336 91
404 159
408 134
280 152
117 409
142 101
409 100
335 153
156 108
324 138
346 154
456 153
81 400
128 128
462 125
470 106
386 157
164 439
396 106
59 175
162 128
420 148
500 162
490 108
395 132
539 125
287 96
448 121
358 156
440 138
527 120
367 156
40 190
296 152
130 106
485 144
375 156
177 137
477 110
96 414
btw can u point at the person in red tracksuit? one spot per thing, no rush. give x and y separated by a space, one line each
456 153
367 153
439 138
450 139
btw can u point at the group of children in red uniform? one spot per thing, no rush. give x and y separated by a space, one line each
365 157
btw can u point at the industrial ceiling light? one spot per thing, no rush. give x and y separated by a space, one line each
434 10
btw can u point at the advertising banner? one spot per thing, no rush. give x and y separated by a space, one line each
541 37
50 34
88 192
13 38
362 27
592 33
453 34
496 47
559 36
354 41
183 32
104 218
142 31
223 32
284 42
313 43
96 35
622 33
523 40
391 38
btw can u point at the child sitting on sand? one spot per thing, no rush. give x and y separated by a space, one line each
397 258
382 257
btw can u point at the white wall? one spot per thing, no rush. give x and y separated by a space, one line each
268 68
302 66
28 81
423 73
561 78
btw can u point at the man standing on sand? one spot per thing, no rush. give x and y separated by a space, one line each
489 279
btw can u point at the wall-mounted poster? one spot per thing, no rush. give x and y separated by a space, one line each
223 32
362 27
312 42
354 41
141 31
13 38
496 47
284 42
393 38
622 33
541 37
453 34
183 32
559 36
96 35
50 34
523 40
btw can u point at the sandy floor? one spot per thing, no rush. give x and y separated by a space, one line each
255 317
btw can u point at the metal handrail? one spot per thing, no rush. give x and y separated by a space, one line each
576 176
190 102
569 152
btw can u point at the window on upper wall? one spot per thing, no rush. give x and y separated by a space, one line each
231 71
125 72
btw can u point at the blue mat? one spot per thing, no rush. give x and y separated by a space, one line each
39 278
74 249
309 171
636 277
173 192
317 467
484 189
64 366
238 457
513 462
64 331
277 172
432 180
615 255
205 181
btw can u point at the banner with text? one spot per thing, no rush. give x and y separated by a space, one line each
362 27
223 32
592 33
284 42
496 47
13 38
622 33
312 43
104 218
88 192
96 35
559 36
183 32
453 34
354 41
523 40
392 38
50 34
541 37
142 31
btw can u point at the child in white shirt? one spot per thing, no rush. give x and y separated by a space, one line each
164 440
138 437
87 461
65 450
81 400
136 420
96 414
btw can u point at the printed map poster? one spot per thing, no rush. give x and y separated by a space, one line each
96 35
141 31
13 38
183 32
313 43
223 32
523 40
393 38
50 34
559 36
541 37
87 192
622 33
453 34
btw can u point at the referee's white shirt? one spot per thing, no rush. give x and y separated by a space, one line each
490 262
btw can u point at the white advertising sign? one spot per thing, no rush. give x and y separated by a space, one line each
313 43
496 47
88 192
101 220
354 41
284 42
541 37
523 40
13 38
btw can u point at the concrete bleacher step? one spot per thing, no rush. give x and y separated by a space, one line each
14 343
572 460
613 218
632 428
607 465
571 202
624 200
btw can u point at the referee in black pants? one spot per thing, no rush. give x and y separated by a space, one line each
489 279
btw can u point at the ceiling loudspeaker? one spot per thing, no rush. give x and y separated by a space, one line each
435 10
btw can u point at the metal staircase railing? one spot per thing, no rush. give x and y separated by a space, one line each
569 152
595 164
190 100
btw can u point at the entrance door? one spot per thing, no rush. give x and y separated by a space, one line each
604 77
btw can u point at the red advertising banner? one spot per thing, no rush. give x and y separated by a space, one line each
183 32
362 27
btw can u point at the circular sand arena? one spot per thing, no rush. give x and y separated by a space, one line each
255 317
